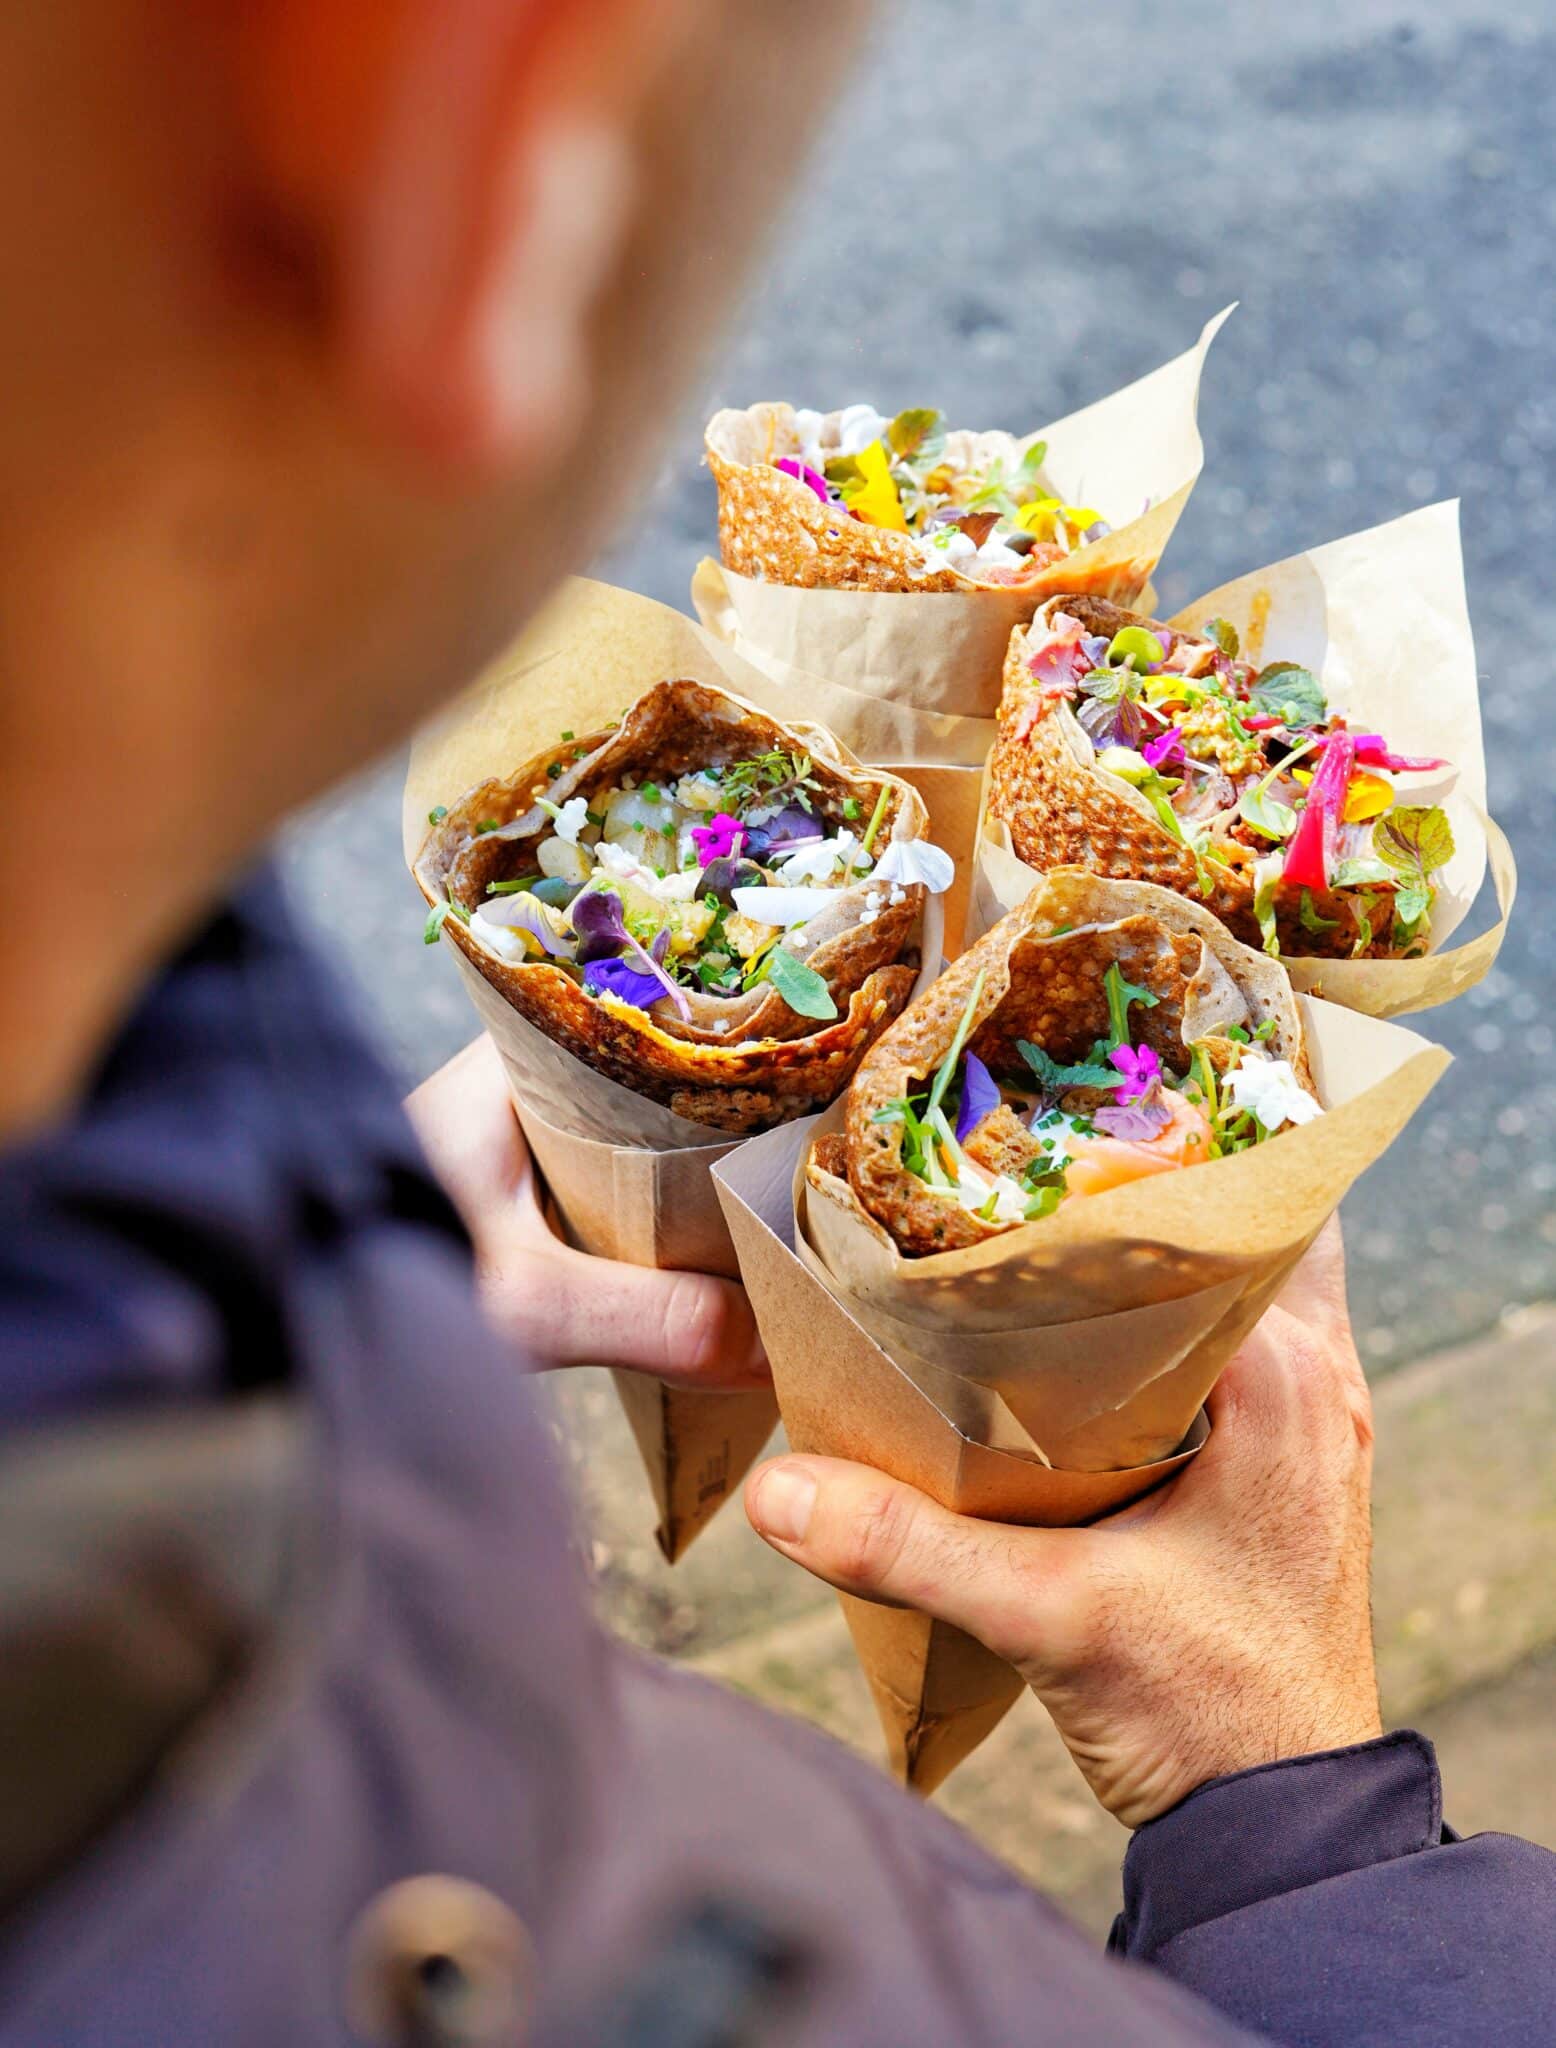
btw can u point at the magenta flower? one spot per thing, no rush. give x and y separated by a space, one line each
719 840
1169 747
1141 1069
804 474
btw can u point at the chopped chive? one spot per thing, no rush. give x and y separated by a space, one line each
487 825
437 814
850 807
553 769
569 735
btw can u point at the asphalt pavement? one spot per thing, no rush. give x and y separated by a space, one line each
1017 208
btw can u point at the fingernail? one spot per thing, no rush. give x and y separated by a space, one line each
782 1504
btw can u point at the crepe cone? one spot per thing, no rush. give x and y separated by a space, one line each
1382 618
937 1692
628 1178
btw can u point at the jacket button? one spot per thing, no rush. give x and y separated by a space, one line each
435 1962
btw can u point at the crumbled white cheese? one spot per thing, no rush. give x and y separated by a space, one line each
868 916
857 427
571 819
817 863
898 895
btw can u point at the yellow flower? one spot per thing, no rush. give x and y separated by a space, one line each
876 499
1369 796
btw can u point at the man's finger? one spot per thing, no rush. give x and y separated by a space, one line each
689 1329
867 1534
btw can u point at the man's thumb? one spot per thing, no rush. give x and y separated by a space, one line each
867 1534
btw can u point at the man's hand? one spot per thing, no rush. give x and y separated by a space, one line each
563 1306
1220 1623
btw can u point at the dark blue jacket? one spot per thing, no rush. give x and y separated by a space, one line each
290 1614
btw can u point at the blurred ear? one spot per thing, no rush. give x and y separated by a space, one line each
463 172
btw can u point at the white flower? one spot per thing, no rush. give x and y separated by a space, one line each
915 860
571 819
1272 1091
783 907
816 863
807 431
857 427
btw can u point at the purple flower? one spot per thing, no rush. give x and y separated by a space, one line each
980 1097
789 829
599 918
803 472
1141 1069
718 840
1169 747
1142 1120
621 979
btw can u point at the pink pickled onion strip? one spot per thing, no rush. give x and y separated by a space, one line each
1310 855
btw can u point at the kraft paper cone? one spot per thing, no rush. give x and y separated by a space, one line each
649 1207
1050 1372
629 1179
915 676
1382 619
938 1693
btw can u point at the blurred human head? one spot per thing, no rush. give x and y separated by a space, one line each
335 332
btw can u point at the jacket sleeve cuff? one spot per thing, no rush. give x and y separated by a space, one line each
1260 1833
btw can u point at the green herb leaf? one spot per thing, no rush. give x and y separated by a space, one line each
1266 814
1360 873
917 433
1120 994
438 916
1414 840
801 987
1265 885
512 888
844 471
1224 633
850 807
1044 1202
1290 693
1034 457
1310 920
437 814
1055 1079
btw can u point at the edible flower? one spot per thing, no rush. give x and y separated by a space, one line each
1272 1091
619 978
1141 1070
875 499
599 918
803 473
785 907
1310 854
522 913
915 860
1369 796
1169 747
980 1097
571 818
814 860
718 840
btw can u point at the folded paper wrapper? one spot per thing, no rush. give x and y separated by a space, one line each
1382 619
1051 1374
627 1177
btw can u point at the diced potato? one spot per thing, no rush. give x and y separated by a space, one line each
567 863
690 924
746 935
